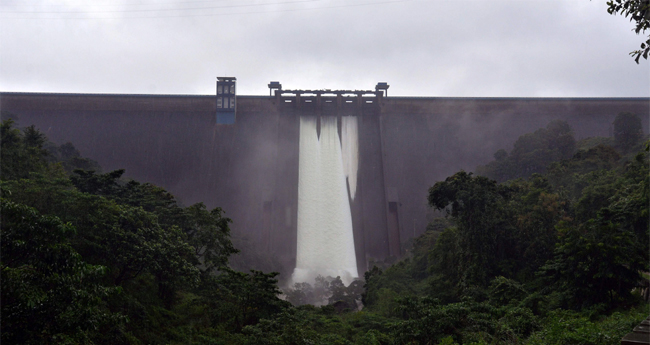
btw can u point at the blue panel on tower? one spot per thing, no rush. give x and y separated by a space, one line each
226 118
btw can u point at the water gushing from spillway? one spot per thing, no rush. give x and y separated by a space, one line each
350 151
325 238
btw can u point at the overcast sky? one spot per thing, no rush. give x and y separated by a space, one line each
482 48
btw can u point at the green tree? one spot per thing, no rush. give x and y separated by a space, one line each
100 234
337 290
348 295
599 187
106 185
477 205
574 174
537 209
600 259
70 158
596 263
235 299
49 294
532 153
21 152
366 297
292 326
639 12
208 232
300 294
29 151
128 240
445 269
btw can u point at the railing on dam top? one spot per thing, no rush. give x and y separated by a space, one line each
325 98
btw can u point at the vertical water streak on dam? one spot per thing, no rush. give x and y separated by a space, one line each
325 241
350 151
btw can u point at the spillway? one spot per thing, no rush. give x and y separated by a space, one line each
350 151
325 236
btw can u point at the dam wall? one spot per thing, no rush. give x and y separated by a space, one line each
428 139
250 168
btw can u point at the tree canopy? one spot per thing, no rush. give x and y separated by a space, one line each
639 12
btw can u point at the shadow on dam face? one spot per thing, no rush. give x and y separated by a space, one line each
251 168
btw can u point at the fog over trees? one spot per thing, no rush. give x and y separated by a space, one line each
546 244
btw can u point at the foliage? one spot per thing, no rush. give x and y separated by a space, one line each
639 12
532 153
585 168
477 205
407 277
537 209
445 258
28 151
600 260
49 294
568 327
503 291
396 280
590 142
429 322
596 265
345 296
127 240
206 231
290 327
69 157
301 294
235 299
326 291
116 235
22 152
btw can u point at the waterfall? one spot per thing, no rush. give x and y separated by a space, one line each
325 239
350 151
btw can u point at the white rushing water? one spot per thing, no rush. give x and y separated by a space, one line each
325 239
350 151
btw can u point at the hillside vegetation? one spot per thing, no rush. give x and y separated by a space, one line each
548 244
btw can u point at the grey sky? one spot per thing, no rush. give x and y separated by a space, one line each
545 48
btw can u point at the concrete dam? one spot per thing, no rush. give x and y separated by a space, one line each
243 153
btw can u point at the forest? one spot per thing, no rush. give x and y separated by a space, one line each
546 244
